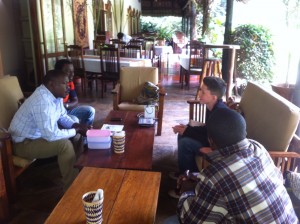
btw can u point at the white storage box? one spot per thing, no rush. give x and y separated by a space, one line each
99 145
97 135
98 139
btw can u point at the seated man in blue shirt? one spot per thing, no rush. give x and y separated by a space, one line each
241 183
84 113
41 127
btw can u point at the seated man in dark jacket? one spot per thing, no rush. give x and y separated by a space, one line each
192 138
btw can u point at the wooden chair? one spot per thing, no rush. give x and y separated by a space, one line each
133 51
97 44
11 166
131 83
110 66
195 52
75 54
121 45
136 42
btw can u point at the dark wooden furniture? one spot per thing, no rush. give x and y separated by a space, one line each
110 66
138 146
129 196
195 50
75 54
133 51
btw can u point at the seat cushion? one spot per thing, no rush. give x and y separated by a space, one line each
132 80
10 93
131 106
271 119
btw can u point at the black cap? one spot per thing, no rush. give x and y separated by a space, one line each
226 127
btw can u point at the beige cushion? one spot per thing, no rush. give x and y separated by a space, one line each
10 93
132 80
271 119
130 106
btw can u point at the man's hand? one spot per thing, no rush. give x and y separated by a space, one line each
81 128
180 129
187 182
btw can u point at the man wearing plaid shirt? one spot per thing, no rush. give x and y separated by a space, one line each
241 183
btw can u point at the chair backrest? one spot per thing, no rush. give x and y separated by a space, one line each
196 54
75 55
133 51
11 94
110 62
136 42
132 80
271 119
97 44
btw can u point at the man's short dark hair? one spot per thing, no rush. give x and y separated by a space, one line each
53 75
120 35
226 127
216 85
61 63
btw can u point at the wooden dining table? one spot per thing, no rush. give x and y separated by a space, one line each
129 196
92 63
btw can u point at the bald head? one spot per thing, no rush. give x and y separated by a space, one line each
226 127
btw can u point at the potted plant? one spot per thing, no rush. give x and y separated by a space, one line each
163 34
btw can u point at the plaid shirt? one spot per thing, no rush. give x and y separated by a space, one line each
40 116
241 185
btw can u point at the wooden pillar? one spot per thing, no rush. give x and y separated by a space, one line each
227 34
193 32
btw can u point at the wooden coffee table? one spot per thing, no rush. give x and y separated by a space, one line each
138 146
130 196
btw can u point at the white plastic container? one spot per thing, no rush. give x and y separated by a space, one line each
97 135
98 139
99 145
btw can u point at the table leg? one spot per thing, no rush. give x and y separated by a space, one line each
230 73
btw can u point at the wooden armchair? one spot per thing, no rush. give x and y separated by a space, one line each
129 87
11 166
271 120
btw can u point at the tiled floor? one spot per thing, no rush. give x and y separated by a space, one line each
40 187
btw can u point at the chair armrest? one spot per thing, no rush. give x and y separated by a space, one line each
7 162
162 91
285 161
193 102
160 114
117 88
116 96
